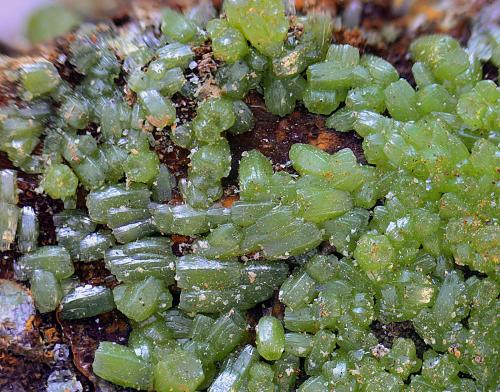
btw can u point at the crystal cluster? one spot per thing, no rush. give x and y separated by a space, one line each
415 231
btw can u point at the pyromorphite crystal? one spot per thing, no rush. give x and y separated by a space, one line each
55 259
177 27
86 301
40 78
235 372
27 230
228 43
181 371
160 111
261 378
138 301
120 365
374 253
46 290
60 182
270 338
263 22
142 166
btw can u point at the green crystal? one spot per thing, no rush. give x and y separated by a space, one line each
198 272
100 201
228 44
40 78
142 167
262 22
175 55
179 372
402 359
299 344
160 111
286 371
27 230
323 344
260 378
235 371
86 301
120 365
55 259
400 100
177 27
344 54
270 339
60 182
46 290
139 300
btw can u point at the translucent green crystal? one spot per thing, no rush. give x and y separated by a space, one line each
46 290
86 301
222 243
281 95
60 182
229 330
55 259
175 55
381 71
329 75
401 101
8 187
75 111
142 167
322 102
431 49
139 300
180 219
344 54
93 246
260 378
270 339
299 344
434 98
374 253
254 176
40 78
235 80
137 260
215 301
298 290
100 201
160 111
228 44
262 22
195 271
366 98
304 319
286 371
318 203
213 116
177 27
163 184
120 365
402 359
323 344
27 230
279 235
179 372
235 371
8 225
